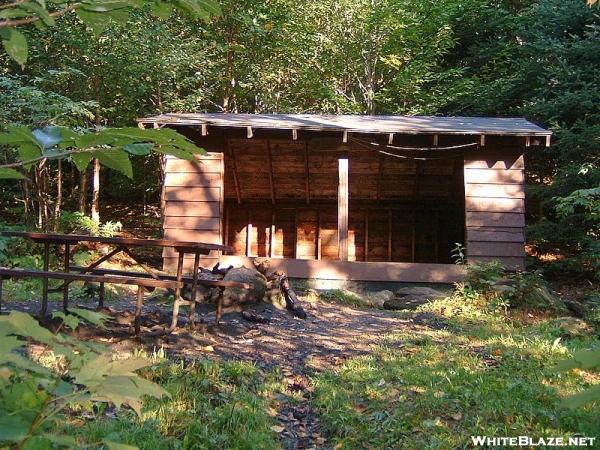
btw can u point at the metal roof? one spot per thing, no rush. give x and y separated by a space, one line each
511 126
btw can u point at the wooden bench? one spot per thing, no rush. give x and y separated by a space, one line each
221 284
111 276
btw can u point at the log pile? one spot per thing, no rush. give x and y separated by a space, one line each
277 283
279 280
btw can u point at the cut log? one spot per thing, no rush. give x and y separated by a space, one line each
291 299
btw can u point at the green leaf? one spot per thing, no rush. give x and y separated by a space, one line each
13 428
27 152
9 343
100 21
69 320
81 160
174 151
115 159
26 326
22 363
37 443
200 9
578 400
7 173
61 439
104 5
118 446
138 149
39 11
90 316
15 44
162 10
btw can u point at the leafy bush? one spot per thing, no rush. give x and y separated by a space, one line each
492 285
593 317
66 374
80 223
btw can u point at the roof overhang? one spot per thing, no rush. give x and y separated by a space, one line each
502 126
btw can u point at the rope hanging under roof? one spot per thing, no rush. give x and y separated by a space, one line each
421 149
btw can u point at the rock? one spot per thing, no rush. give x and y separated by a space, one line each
378 299
406 302
256 280
412 297
574 327
421 291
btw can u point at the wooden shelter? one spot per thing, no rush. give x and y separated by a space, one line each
366 198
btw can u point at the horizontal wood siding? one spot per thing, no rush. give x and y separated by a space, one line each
495 209
193 199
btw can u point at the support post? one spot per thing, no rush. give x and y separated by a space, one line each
271 182
318 235
138 309
67 257
343 209
45 282
249 235
389 249
272 237
366 235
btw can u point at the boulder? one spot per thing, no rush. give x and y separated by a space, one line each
406 302
378 299
256 280
421 291
412 297
573 327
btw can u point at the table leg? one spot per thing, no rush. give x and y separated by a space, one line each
194 289
101 296
66 287
219 311
138 309
44 308
177 294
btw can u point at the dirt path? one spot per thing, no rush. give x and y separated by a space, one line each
331 334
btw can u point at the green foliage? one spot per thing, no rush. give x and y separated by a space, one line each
34 395
492 286
212 405
79 223
432 388
95 14
459 254
111 146
340 296
584 359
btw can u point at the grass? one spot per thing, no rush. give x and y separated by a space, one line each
433 389
213 405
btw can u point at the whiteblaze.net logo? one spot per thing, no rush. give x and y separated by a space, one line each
527 441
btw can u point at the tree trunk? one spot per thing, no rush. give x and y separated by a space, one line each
96 192
83 181
59 194
229 103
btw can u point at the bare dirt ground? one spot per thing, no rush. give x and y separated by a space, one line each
331 334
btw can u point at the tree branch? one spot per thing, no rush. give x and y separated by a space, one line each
45 157
28 20
11 5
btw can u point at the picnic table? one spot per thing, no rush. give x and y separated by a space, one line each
147 280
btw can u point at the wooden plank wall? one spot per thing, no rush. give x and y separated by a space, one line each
376 234
193 199
495 207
